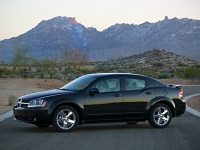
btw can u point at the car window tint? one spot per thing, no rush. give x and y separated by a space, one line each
108 85
134 84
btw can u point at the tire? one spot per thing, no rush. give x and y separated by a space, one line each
65 118
43 125
160 116
132 122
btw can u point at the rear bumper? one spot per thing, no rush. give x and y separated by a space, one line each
32 115
180 107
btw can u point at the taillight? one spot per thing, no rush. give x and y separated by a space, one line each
180 94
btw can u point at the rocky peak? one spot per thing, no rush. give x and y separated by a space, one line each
166 18
73 21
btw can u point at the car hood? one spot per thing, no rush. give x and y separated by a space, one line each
45 93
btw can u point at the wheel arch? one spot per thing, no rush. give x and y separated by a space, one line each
73 105
165 100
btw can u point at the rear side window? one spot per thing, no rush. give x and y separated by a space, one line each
134 84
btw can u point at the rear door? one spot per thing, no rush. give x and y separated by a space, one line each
138 91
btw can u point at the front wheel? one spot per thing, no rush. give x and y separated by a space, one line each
160 116
65 118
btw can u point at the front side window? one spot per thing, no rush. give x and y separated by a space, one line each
134 84
79 83
108 85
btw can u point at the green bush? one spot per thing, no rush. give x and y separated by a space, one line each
171 75
163 76
192 73
1 72
4 73
149 73
180 73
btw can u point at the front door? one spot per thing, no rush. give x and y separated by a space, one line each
108 103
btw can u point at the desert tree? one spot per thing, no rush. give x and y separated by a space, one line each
21 57
75 59
46 64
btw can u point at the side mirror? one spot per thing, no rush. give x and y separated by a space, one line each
94 90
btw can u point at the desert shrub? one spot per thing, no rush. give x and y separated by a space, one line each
158 64
4 73
171 75
38 70
192 73
163 71
7 72
1 72
180 64
149 73
171 71
163 76
180 73
12 99
29 68
85 70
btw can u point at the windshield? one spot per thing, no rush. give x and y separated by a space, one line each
78 84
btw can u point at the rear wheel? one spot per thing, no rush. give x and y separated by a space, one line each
160 116
65 118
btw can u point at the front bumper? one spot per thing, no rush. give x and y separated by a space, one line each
32 115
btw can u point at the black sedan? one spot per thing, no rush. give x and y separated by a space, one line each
106 97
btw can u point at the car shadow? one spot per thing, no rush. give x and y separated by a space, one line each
114 126
87 127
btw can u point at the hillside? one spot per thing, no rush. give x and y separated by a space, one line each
180 36
156 59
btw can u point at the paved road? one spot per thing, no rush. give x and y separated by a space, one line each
189 90
182 133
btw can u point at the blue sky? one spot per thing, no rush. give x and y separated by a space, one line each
19 16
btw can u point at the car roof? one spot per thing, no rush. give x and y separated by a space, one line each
111 74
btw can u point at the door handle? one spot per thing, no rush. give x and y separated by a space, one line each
117 95
149 93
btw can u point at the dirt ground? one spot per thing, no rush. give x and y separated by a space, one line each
21 87
194 103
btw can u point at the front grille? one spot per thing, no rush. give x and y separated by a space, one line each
22 104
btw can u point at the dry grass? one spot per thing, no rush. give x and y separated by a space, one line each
50 84
194 103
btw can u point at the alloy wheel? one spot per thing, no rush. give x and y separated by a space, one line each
66 119
161 116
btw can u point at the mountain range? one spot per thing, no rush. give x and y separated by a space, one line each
180 36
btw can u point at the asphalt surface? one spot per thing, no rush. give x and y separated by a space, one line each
182 133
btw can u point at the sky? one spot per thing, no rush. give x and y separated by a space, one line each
20 16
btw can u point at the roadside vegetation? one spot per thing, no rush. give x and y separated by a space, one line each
71 64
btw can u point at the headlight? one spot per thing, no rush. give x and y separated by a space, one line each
37 103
